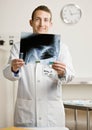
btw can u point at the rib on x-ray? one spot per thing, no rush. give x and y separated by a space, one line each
43 47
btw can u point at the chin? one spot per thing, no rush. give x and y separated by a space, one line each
40 32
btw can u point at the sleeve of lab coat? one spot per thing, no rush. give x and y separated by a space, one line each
65 57
14 53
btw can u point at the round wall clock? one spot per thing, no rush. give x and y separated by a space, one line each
71 14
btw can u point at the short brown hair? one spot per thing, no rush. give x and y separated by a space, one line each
44 8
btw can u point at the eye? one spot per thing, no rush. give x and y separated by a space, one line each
46 20
36 19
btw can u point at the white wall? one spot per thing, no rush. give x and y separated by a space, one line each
6 93
14 18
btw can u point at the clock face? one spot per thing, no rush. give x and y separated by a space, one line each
71 13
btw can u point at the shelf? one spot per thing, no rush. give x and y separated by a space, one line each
80 81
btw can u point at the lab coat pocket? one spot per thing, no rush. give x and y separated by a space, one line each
24 112
56 115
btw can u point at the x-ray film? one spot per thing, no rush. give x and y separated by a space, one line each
43 47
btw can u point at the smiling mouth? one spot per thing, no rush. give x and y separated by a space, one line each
42 29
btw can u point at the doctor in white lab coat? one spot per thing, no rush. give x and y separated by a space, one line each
39 98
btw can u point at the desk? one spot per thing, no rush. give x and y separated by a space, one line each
52 128
35 128
79 105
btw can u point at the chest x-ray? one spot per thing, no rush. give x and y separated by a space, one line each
43 47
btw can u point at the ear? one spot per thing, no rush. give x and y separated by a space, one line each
30 22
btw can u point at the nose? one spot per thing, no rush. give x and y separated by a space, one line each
41 22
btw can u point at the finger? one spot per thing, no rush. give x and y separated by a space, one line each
61 71
58 64
17 63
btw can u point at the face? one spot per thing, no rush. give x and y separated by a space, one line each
41 22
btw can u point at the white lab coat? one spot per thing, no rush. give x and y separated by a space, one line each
39 99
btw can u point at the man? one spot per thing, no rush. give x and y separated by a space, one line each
39 99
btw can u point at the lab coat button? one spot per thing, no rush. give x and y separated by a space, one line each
38 81
40 118
39 99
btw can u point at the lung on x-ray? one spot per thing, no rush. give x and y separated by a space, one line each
43 47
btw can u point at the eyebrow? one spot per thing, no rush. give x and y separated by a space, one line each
40 18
